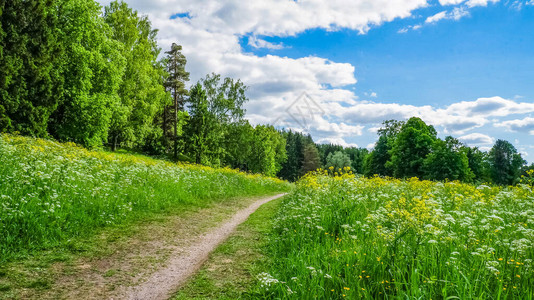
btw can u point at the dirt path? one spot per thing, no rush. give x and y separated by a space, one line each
185 262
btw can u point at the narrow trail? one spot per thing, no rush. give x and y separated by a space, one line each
185 262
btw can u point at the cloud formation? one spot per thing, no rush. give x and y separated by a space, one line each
212 34
519 125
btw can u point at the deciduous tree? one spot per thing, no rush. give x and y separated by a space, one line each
506 163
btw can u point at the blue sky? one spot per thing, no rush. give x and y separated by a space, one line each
464 66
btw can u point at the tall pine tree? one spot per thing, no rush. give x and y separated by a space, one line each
173 115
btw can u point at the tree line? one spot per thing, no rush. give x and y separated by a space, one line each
72 72
406 149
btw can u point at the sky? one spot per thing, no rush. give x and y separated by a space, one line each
337 69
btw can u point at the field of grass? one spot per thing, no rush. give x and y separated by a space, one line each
347 238
52 194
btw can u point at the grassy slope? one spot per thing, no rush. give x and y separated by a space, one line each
231 270
52 194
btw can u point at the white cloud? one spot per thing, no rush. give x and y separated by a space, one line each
213 30
477 139
519 125
490 107
408 28
437 17
259 43
450 2
456 14
474 3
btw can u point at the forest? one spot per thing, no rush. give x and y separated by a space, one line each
74 72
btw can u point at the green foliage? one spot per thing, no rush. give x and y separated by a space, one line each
479 164
142 94
31 50
203 137
327 149
377 161
357 157
173 118
446 161
506 163
338 161
295 142
226 98
412 144
238 145
312 160
93 66
268 151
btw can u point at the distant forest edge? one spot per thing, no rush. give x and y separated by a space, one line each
74 74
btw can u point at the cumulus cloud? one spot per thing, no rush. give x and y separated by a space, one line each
211 33
490 107
477 139
519 125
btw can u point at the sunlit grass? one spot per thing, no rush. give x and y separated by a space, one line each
53 193
347 237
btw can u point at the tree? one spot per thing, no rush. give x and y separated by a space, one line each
357 157
202 142
505 163
326 149
268 151
311 161
31 52
175 83
238 145
142 94
292 167
226 98
447 161
376 162
337 161
478 164
93 67
412 144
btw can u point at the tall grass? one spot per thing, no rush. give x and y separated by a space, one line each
52 193
346 237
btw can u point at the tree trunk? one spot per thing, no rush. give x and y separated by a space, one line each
165 126
114 144
175 126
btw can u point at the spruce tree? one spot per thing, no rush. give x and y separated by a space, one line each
31 84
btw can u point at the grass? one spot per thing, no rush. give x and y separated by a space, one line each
231 269
346 237
54 195
120 255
